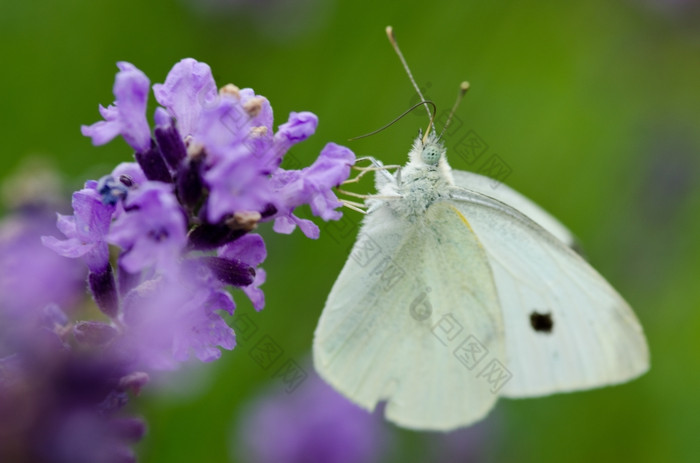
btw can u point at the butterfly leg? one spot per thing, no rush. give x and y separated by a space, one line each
375 166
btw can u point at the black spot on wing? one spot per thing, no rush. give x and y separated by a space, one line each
541 322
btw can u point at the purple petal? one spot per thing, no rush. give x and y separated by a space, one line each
85 230
222 300
152 231
227 131
65 224
237 185
313 424
103 132
308 228
162 117
253 291
188 89
313 186
128 114
171 318
131 89
92 216
324 203
332 166
287 224
248 248
71 247
299 127
32 275
284 225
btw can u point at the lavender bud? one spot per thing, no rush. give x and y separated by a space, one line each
104 291
211 236
153 164
171 145
230 271
189 183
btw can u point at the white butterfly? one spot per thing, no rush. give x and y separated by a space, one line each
456 293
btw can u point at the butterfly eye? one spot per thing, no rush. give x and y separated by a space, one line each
430 155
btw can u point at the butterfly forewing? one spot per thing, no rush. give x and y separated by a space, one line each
503 193
566 328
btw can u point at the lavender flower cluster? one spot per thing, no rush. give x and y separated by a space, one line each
164 240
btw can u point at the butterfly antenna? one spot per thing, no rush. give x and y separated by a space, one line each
463 88
392 40
427 102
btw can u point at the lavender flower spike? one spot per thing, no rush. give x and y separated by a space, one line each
127 116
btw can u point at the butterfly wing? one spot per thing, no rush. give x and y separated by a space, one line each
594 338
503 193
413 319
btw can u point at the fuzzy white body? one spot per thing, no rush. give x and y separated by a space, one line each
420 185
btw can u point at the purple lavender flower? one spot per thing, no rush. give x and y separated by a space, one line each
299 127
180 220
188 89
127 116
249 249
314 424
25 265
85 230
169 139
167 319
312 186
60 405
238 124
472 444
182 214
237 185
151 231
57 404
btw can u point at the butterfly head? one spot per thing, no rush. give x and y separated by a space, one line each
427 151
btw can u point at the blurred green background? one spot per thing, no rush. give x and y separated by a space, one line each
594 106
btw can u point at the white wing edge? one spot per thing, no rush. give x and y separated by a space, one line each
503 193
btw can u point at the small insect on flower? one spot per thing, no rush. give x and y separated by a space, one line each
456 293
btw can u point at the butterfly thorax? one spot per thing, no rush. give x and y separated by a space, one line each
425 179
